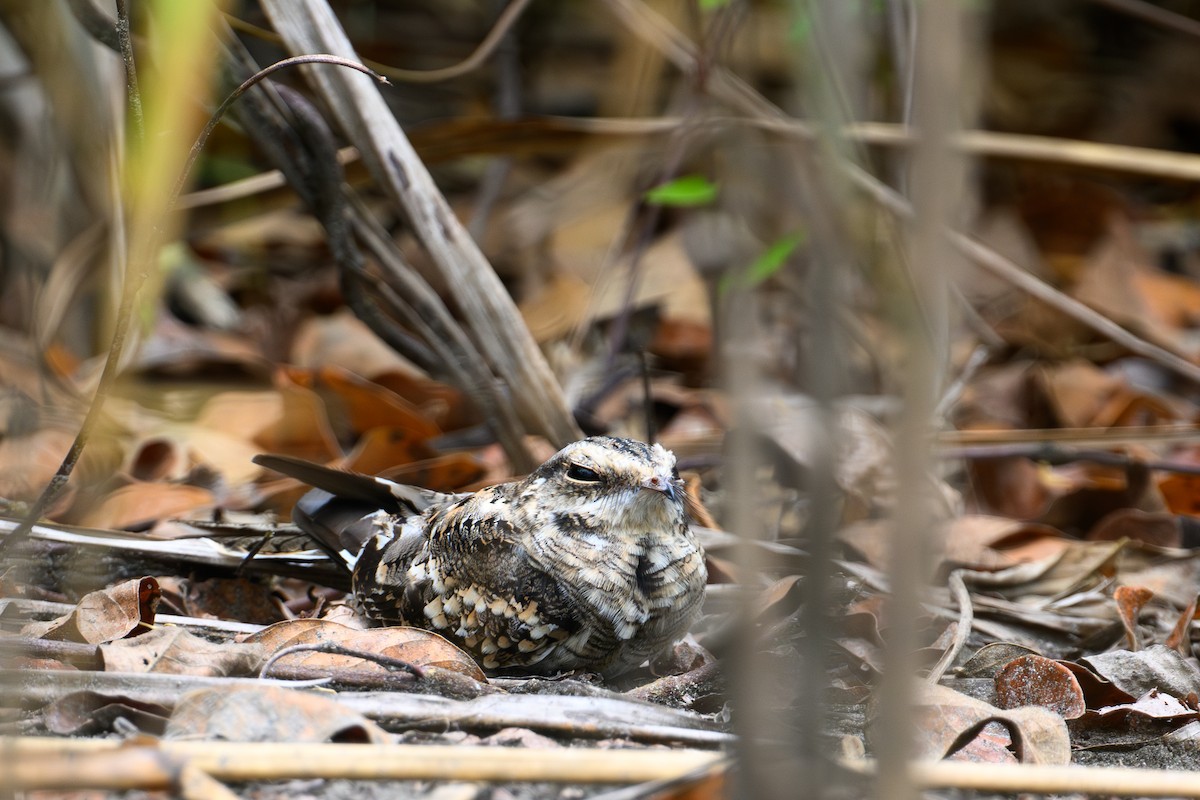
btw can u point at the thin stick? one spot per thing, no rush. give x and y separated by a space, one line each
939 190
202 139
1090 437
504 23
1052 779
1071 152
38 763
131 82
1155 15
966 617
1000 266
333 648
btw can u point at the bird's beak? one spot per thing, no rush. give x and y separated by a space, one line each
662 485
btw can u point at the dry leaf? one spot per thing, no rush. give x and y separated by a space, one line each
141 504
1010 486
1155 668
343 339
177 651
268 714
126 609
947 717
1180 640
1130 601
356 404
415 646
86 713
1156 528
1032 680
1154 705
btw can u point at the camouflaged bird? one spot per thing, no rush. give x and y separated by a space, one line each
586 564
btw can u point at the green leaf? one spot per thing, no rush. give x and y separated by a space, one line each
801 28
766 265
685 192
713 5
771 261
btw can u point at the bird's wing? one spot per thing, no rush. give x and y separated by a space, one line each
477 535
382 494
482 544
346 509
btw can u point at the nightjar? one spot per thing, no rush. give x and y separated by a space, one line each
586 564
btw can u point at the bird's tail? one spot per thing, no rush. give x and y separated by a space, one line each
343 509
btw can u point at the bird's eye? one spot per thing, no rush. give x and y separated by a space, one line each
584 474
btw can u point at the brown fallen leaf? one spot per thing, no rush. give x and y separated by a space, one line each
343 339
1130 601
383 447
1009 486
1156 667
1182 492
27 463
241 599
415 646
1159 528
268 714
177 651
360 404
951 724
446 406
131 507
1097 691
83 713
1033 680
106 615
1180 640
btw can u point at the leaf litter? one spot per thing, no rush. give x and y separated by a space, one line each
1076 546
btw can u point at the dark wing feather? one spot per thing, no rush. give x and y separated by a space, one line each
379 493
342 512
338 525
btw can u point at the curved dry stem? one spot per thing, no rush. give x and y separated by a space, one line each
246 85
504 23
966 616
125 41
332 648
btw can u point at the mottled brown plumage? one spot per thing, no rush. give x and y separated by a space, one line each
588 563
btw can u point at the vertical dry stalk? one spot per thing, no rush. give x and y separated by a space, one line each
835 85
938 186
489 315
134 187
782 739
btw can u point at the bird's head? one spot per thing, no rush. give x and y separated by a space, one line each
621 480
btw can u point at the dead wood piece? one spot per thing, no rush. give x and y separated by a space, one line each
77 654
41 763
683 691
22 608
575 717
435 681
1043 779
33 689
311 564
